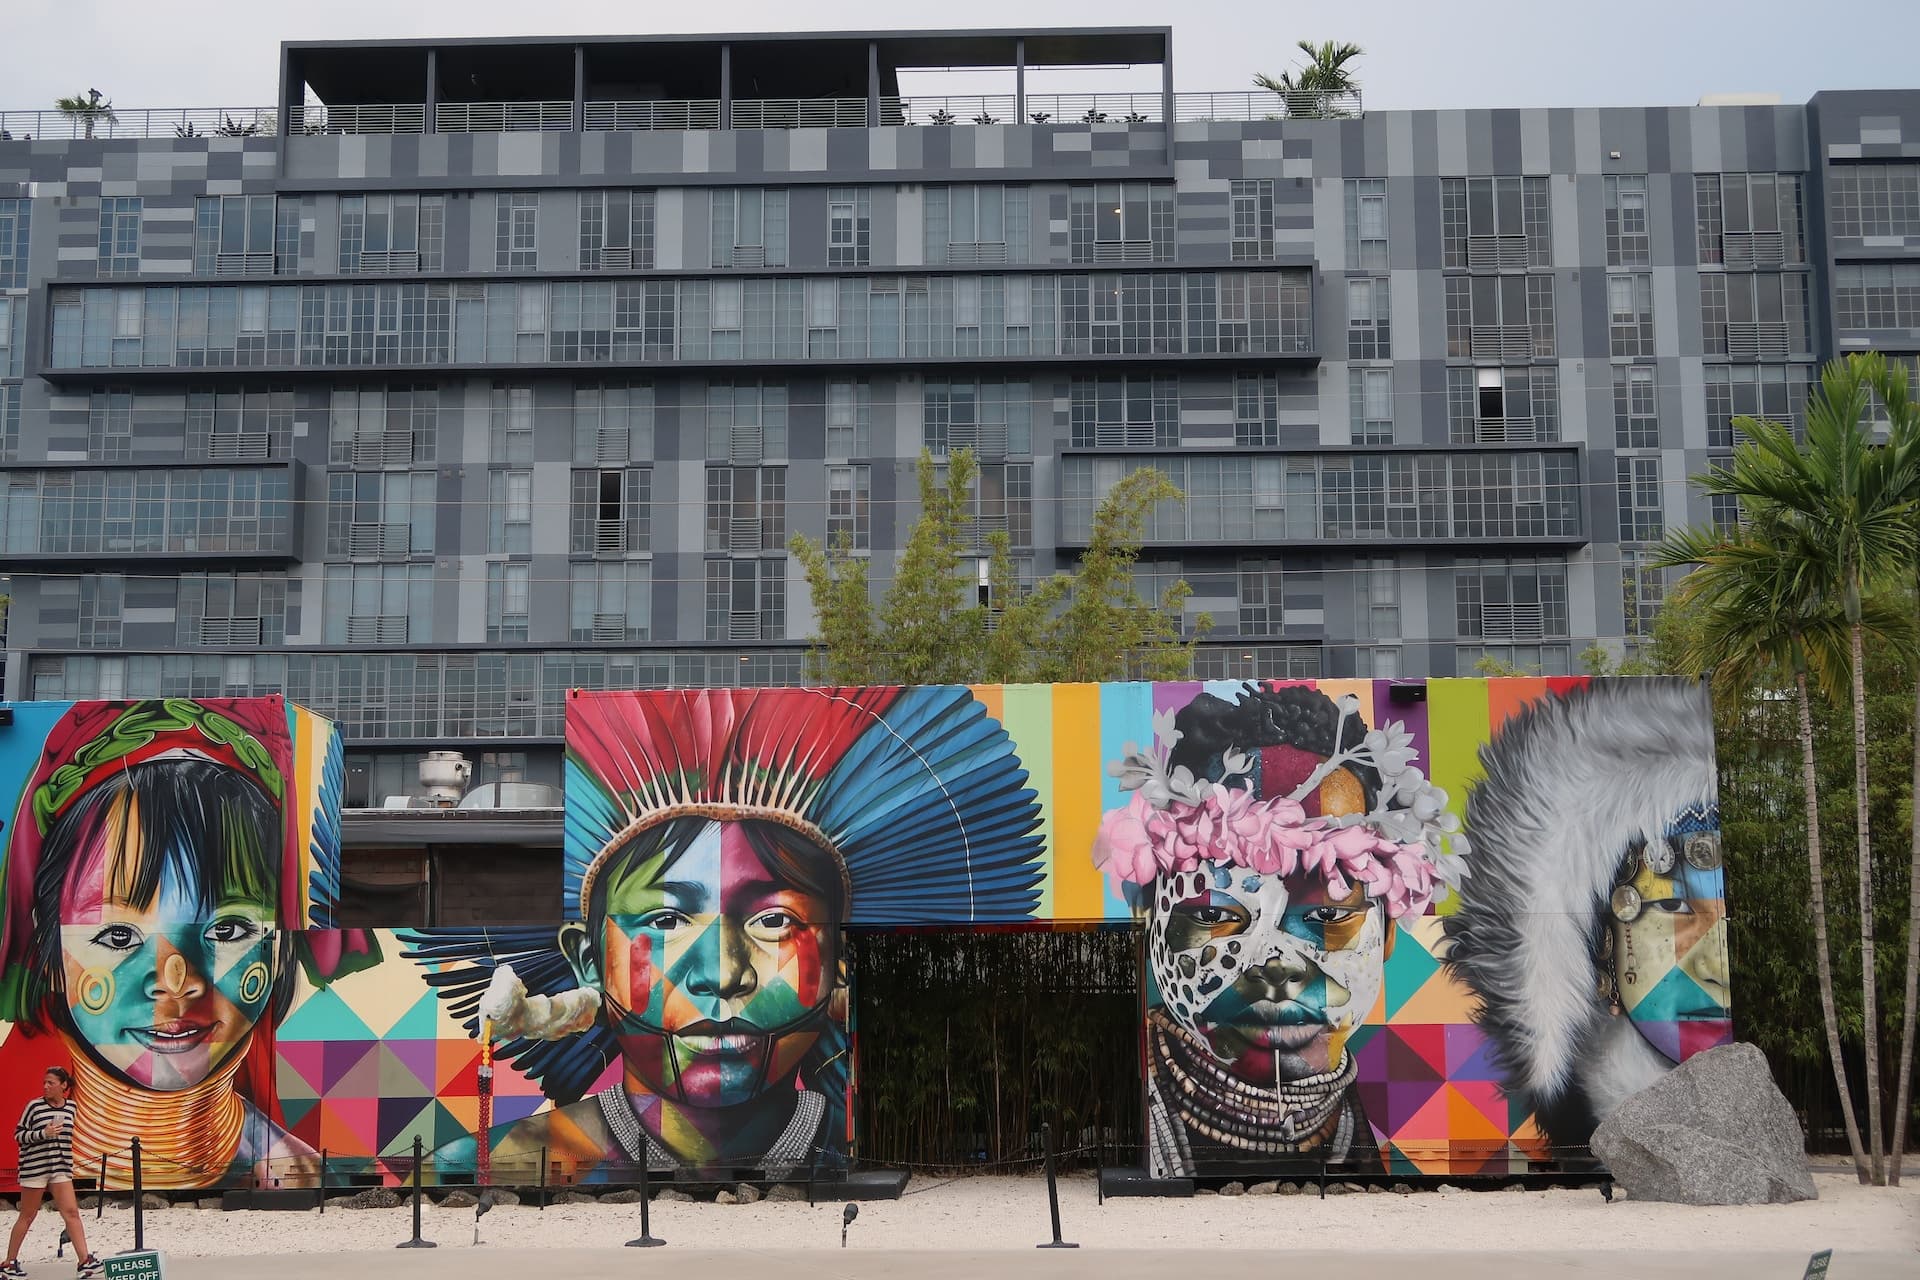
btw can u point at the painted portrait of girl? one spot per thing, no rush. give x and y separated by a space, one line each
156 879
717 844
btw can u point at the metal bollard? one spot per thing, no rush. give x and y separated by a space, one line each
139 1209
1053 1192
323 1180
100 1189
543 1177
418 1160
646 1238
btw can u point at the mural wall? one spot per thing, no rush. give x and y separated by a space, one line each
1440 928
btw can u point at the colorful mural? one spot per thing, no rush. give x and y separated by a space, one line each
1435 926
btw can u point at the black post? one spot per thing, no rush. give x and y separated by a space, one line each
100 1189
813 1167
543 1178
1053 1192
323 1180
646 1239
418 1160
139 1209
1099 1162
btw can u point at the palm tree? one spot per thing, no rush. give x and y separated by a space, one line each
1845 498
1312 91
1903 436
1761 616
88 108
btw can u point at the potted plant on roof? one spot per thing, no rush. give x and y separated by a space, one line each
87 109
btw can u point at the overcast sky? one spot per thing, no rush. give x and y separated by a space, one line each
1442 53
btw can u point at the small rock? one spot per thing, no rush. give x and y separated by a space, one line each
154 1200
1375 1189
672 1194
1353 1188
338 1202
1512 1187
626 1195
1234 1189
726 1197
459 1200
1402 1189
1336 1188
374 1198
574 1197
1205 1191
747 1193
785 1193
207 1202
1264 1189
1447 1189
500 1195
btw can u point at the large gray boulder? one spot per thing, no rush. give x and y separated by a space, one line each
1714 1130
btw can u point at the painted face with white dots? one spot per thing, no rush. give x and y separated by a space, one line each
1271 973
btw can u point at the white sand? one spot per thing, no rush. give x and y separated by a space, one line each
1011 1213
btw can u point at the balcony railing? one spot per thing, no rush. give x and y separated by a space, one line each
681 114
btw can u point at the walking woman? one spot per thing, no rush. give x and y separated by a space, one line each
45 1135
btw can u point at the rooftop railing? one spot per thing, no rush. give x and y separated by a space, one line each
681 114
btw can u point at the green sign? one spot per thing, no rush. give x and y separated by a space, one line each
1817 1265
144 1265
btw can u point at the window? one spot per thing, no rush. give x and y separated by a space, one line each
1370 320
616 230
516 230
240 610
994 419
612 424
976 224
1877 295
1370 404
610 511
1511 600
1872 199
1723 509
13 336
849 420
1120 222
1636 417
746 599
119 250
1507 318
1262 597
849 507
1775 393
611 603
746 509
1749 219
508 590
1628 244
383 426
510 512
1754 315
1257 662
15 217
110 426
1630 315
9 422
1504 405
1376 598
379 604
746 422
245 235
1002 500
1641 508
1256 410
386 233
375 515
1495 224
849 227
1366 224
102 600
1643 589
749 228
510 441
1132 410
1251 204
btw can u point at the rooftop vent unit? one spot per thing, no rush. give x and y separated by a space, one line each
445 775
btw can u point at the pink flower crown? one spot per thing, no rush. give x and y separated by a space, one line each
1405 853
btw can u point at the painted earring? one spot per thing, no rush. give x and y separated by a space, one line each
253 983
96 990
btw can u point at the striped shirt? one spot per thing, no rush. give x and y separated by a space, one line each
41 1156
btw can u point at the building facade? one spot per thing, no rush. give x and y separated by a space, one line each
475 371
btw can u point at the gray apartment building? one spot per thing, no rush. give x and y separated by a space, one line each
476 370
